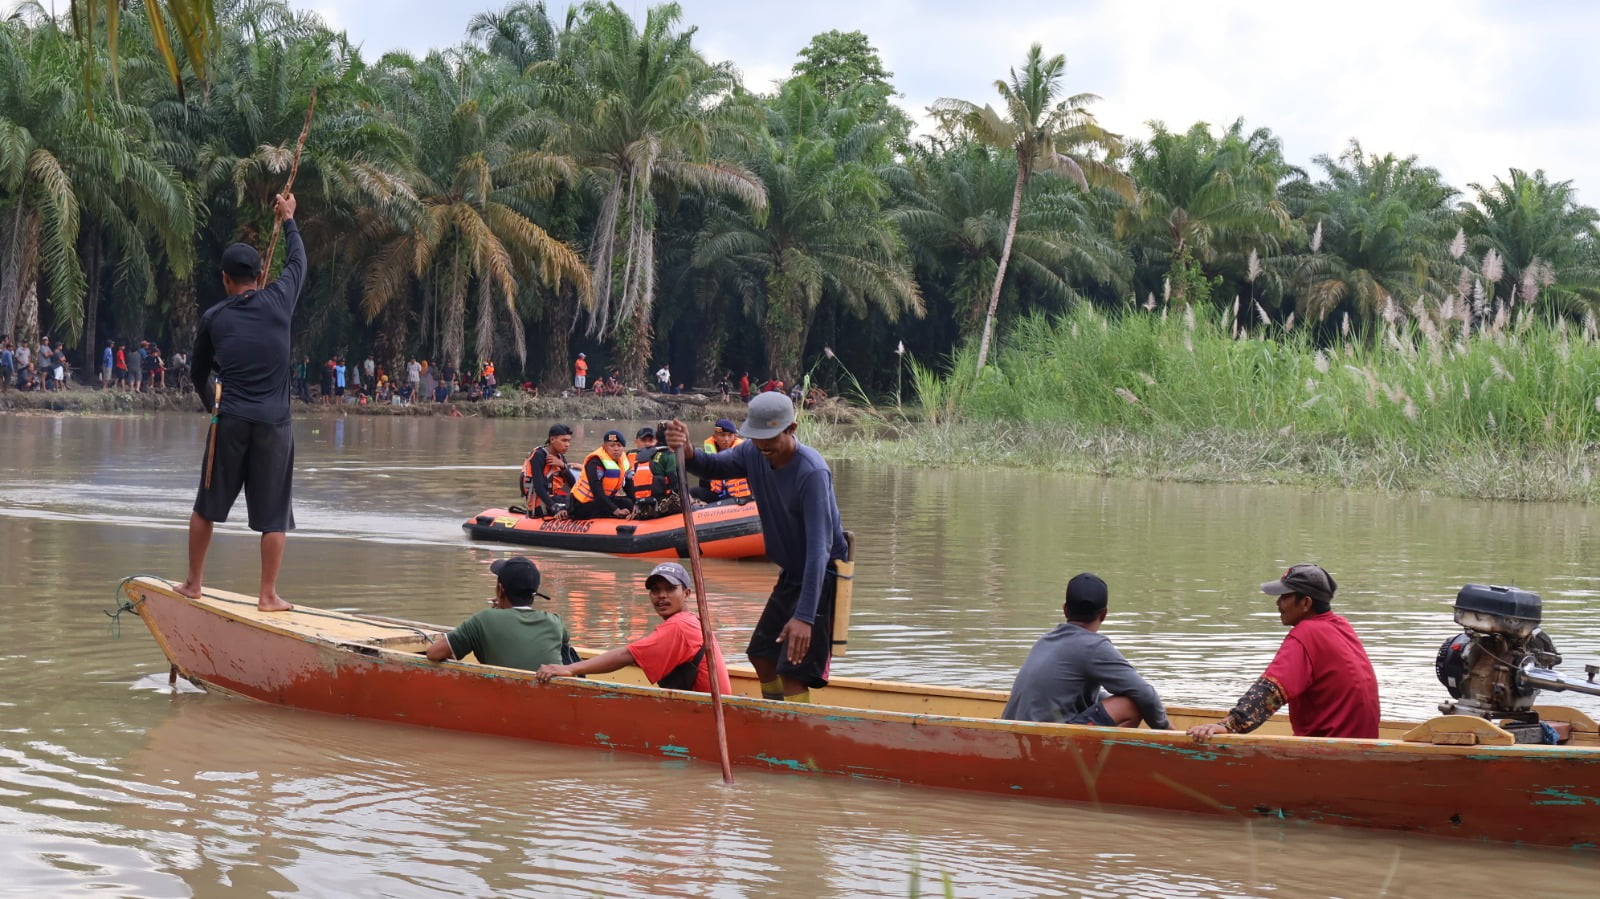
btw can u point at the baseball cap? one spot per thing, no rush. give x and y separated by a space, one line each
644 432
769 414
673 573
559 430
581 356
241 261
1306 579
517 574
1087 590
725 424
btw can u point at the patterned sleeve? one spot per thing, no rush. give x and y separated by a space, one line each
1256 705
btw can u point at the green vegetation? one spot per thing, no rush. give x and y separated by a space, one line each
1182 303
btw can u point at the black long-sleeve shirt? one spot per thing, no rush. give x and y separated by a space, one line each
245 339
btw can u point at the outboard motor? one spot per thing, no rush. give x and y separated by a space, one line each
1497 666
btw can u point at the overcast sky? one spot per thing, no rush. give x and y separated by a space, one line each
1471 87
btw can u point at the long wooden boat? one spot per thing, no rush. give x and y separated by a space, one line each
726 530
949 737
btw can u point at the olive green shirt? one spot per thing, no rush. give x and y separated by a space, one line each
518 637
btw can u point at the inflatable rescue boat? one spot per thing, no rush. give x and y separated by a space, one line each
727 530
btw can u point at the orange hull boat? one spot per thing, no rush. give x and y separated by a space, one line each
903 733
726 531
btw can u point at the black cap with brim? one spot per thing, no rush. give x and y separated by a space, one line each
240 261
518 574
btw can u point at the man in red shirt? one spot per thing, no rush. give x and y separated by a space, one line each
1321 670
671 656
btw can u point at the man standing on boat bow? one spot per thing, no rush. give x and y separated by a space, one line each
1321 670
1073 675
245 339
793 489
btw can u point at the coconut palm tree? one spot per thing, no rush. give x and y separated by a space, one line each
481 174
641 109
1046 132
824 232
954 217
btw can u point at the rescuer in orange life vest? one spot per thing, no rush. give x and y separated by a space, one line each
653 477
546 480
602 490
724 436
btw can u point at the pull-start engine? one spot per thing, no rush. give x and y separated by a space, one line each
1496 667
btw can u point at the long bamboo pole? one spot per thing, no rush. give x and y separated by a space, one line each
703 605
294 169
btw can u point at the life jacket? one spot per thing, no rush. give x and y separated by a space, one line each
645 483
556 476
611 482
738 488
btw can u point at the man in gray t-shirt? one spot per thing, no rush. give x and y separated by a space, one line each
1073 675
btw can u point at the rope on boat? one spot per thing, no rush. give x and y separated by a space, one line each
124 606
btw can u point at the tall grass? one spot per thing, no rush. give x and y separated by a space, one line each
1506 409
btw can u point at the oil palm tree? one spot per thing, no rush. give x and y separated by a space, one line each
1046 132
481 174
641 110
1545 239
824 232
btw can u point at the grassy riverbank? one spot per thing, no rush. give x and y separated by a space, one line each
1511 412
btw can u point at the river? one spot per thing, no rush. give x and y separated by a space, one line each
112 784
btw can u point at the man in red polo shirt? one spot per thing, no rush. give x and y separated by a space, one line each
1321 670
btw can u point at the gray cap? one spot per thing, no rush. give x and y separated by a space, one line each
767 416
672 572
1305 579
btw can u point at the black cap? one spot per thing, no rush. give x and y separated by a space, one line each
644 432
241 261
1305 579
614 435
518 575
560 430
1087 591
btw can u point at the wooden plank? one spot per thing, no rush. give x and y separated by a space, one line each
1460 730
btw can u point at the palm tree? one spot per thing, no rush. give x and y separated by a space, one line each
1045 133
1205 200
1545 240
65 175
192 22
480 178
823 232
955 218
642 109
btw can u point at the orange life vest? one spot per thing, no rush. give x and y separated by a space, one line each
555 474
739 488
611 482
645 483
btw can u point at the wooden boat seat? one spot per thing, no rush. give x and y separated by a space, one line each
1459 730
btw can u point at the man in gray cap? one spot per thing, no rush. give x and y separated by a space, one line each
673 655
1321 670
793 489
245 340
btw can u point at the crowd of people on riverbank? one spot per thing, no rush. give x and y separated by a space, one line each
133 368
610 384
340 381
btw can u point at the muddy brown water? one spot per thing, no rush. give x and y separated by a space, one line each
113 785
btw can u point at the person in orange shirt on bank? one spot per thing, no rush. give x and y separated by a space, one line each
674 655
580 372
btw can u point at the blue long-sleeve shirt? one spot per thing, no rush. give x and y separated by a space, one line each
799 516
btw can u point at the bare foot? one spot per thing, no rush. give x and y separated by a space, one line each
186 589
274 603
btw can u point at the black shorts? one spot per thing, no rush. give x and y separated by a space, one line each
1095 715
813 669
258 457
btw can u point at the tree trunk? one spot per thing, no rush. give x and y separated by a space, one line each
11 270
26 327
712 336
558 337
632 344
90 368
783 329
1005 259
185 314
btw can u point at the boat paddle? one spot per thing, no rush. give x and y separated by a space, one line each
702 605
211 441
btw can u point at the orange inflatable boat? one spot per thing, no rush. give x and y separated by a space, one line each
726 530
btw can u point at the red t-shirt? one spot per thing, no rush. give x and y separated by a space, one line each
1324 672
673 643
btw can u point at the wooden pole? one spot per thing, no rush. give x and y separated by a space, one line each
211 441
705 618
294 169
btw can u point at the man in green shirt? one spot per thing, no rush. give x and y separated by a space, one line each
512 634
